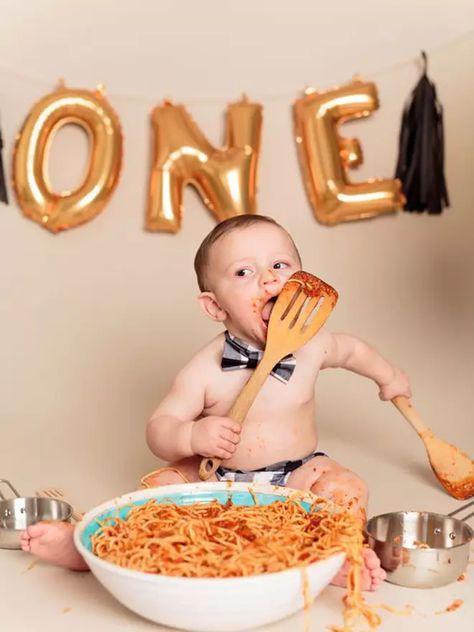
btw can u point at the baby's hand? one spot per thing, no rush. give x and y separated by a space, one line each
398 385
215 437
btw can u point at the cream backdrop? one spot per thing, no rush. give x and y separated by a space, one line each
96 321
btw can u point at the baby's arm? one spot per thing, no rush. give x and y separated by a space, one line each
172 432
348 352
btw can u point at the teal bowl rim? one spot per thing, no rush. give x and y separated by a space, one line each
188 489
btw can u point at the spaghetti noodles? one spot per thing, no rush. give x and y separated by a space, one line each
216 540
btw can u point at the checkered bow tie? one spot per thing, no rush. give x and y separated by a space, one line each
237 354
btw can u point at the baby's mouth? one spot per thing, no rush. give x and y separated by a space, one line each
267 310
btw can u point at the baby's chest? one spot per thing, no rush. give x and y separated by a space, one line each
273 395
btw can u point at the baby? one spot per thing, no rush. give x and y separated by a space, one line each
241 267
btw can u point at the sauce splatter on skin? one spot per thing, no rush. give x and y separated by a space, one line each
257 304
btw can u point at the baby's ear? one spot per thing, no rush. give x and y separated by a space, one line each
211 307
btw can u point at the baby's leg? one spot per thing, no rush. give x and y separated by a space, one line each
326 478
184 471
53 542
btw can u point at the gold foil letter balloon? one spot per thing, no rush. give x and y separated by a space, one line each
325 156
225 178
60 211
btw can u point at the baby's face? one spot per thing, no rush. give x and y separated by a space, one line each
247 269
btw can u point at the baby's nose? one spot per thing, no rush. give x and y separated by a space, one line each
269 277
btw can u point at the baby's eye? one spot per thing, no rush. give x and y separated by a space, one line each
243 272
280 265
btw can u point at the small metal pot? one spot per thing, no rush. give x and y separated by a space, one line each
420 549
18 513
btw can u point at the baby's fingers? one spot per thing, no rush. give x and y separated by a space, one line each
233 426
228 447
223 454
228 435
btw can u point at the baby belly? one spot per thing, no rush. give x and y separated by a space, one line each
264 443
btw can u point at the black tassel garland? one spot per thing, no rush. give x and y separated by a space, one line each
3 183
420 164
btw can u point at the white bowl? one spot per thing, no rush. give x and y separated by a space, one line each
205 604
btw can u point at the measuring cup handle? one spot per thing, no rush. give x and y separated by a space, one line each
8 484
462 508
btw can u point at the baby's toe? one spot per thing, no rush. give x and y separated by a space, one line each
37 530
371 560
381 574
377 576
25 541
366 580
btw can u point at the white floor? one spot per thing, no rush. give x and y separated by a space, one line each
51 599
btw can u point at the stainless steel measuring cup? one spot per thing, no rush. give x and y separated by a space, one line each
19 512
421 549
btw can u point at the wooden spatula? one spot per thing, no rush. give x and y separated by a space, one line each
453 468
301 309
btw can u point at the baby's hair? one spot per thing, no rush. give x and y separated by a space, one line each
201 259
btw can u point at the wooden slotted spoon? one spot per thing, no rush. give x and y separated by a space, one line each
452 467
300 310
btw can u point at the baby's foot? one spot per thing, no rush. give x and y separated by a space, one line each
53 542
372 574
